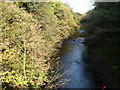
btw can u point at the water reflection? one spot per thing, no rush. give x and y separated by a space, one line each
72 59
67 49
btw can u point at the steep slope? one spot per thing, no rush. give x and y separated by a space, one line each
103 39
32 34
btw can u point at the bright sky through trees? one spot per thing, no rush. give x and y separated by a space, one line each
80 6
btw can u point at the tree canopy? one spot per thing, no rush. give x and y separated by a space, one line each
102 25
32 33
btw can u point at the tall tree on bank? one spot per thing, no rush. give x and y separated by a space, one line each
102 25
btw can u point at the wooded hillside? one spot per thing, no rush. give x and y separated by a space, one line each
102 26
32 34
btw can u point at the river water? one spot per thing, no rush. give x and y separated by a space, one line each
72 58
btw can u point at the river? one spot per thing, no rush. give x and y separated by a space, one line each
72 59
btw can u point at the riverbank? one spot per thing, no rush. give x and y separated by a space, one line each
104 75
30 43
103 41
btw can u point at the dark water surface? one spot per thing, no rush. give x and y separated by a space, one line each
72 58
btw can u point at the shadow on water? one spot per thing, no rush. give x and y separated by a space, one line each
72 58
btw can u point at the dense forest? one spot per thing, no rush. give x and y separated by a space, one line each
32 33
102 25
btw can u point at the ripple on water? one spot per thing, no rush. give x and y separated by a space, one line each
72 60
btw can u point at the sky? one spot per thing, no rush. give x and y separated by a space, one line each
80 6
